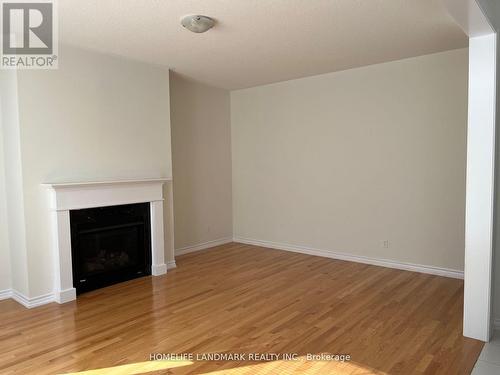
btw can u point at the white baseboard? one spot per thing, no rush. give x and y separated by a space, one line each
66 295
202 246
32 302
456 274
26 301
171 264
5 294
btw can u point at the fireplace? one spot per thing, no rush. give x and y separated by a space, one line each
84 216
110 245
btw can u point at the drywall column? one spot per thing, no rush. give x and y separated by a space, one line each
492 10
480 184
480 187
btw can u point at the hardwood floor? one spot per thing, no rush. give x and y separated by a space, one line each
245 299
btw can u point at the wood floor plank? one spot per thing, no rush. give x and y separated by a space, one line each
245 299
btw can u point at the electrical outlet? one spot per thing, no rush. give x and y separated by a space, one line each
385 244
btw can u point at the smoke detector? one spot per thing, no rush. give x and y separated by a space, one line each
197 23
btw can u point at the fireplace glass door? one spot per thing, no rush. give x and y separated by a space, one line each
110 245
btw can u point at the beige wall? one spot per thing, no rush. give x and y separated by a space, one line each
343 161
97 117
201 153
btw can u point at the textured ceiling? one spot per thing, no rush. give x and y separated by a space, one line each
260 41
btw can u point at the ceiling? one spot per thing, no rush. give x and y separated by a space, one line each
260 41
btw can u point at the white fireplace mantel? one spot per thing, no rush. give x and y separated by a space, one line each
67 196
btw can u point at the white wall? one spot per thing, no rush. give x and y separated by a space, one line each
97 117
342 161
14 213
201 152
5 282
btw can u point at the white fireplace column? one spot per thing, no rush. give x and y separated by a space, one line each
65 197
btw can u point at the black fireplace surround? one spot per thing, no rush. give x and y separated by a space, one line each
110 245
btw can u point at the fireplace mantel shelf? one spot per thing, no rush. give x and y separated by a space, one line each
62 185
